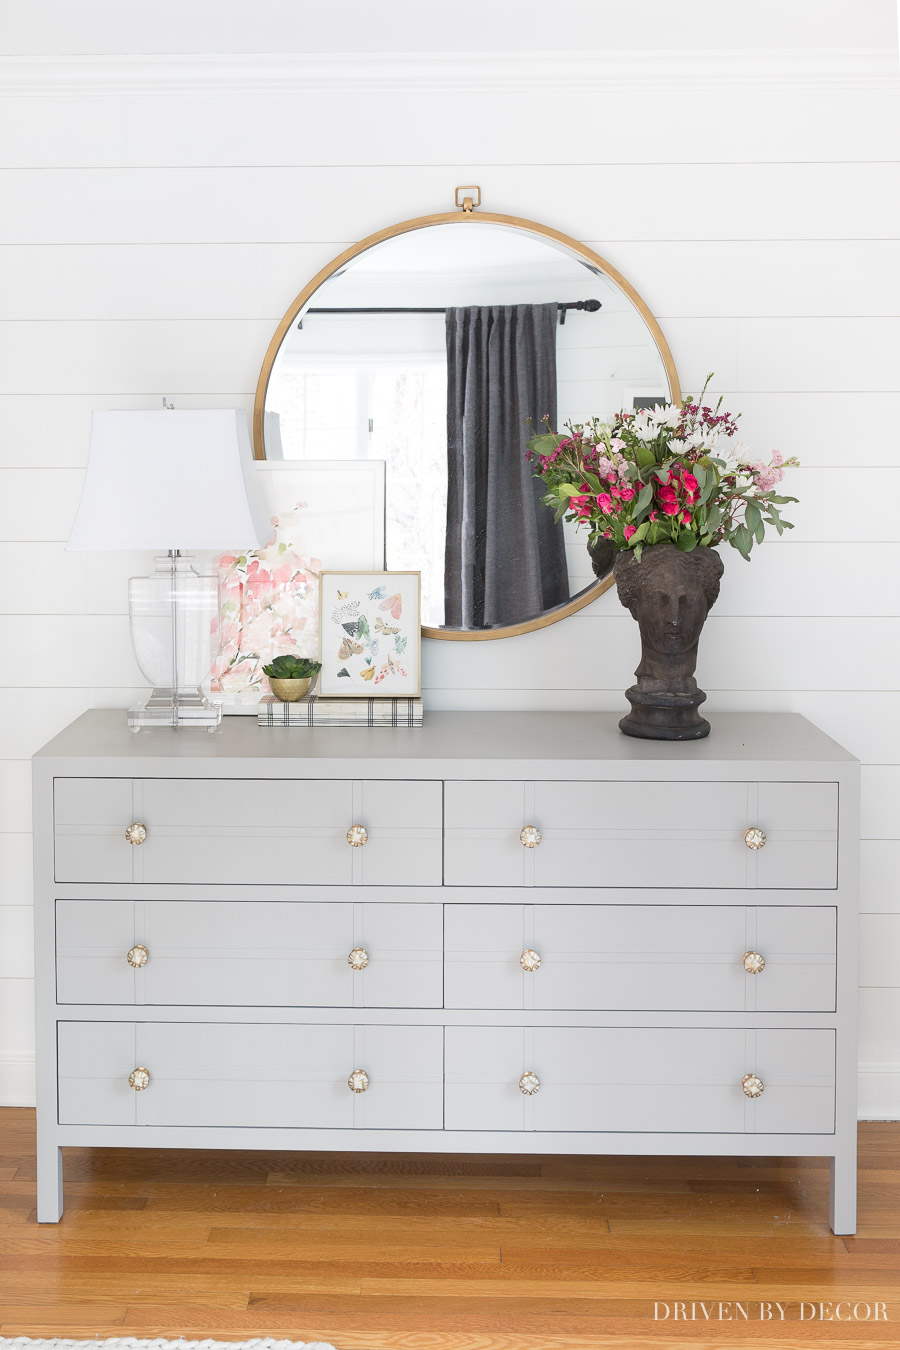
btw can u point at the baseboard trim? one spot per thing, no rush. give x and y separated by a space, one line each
879 1091
17 1080
879 1087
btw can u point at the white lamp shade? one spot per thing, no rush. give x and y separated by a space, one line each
170 480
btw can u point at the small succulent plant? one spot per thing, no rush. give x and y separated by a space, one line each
291 668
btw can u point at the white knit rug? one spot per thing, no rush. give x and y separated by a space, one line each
134 1343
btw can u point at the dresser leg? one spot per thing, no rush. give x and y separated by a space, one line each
843 1194
49 1183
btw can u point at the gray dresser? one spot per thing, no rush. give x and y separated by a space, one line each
497 933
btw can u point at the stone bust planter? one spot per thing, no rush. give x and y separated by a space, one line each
670 593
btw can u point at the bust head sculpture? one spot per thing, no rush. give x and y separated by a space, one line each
670 593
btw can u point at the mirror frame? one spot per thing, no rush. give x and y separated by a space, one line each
464 217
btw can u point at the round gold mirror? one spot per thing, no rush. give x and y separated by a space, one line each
415 361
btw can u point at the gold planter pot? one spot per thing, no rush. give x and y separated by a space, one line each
289 691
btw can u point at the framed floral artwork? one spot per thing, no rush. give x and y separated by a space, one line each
370 642
323 513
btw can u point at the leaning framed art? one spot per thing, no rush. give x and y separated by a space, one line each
370 637
269 596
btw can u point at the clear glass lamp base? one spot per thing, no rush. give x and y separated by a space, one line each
191 709
172 615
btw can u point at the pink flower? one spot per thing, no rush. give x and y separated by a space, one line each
653 515
626 494
777 459
629 531
686 517
666 495
670 508
604 501
690 485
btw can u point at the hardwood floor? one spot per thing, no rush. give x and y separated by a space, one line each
383 1252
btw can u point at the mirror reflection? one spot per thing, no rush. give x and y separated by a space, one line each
431 352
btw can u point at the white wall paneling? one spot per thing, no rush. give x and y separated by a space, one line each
282 26
287 209
212 127
224 354
706 278
15 797
166 190
880 876
15 869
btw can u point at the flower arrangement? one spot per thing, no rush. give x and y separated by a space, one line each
662 475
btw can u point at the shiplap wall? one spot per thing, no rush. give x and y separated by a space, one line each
166 188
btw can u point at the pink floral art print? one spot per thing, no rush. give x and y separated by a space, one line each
269 606
321 511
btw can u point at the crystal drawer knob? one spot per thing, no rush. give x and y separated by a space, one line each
530 836
139 1079
529 1083
754 964
358 958
530 960
136 833
358 1080
138 956
753 1086
755 837
357 836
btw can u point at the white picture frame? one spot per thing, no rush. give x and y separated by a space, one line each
370 621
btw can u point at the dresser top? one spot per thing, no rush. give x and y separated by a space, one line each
450 744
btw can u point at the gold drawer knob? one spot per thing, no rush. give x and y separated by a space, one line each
136 833
530 960
754 963
138 956
358 958
357 836
139 1079
358 1080
529 1083
755 837
530 836
753 1086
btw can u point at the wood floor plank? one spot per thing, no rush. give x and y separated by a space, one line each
427 1252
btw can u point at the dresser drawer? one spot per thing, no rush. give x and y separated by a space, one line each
249 953
252 832
641 834
648 1080
217 1074
640 957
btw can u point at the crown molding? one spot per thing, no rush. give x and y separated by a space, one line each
557 72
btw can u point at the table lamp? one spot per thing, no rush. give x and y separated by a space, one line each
166 481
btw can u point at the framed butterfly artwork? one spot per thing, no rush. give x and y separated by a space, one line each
370 643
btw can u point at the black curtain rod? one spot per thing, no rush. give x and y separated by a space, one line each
590 306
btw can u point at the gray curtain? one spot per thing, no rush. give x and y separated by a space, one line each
505 558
